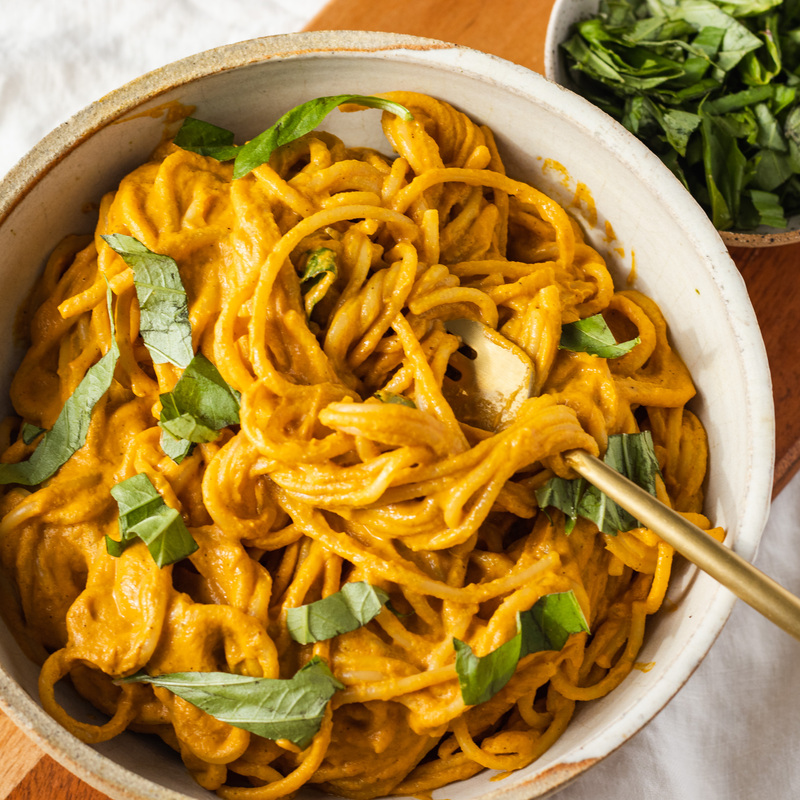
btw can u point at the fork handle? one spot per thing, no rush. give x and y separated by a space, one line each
758 590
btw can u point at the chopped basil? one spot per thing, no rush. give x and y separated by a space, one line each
197 409
30 432
143 514
346 610
206 139
176 449
711 88
164 311
630 454
68 433
270 707
318 262
319 273
398 399
202 137
481 678
564 495
546 626
592 335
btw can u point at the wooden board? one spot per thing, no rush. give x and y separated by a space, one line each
512 29
772 276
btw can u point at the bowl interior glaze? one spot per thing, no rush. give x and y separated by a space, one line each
631 208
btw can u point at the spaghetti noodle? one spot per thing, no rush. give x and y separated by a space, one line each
324 482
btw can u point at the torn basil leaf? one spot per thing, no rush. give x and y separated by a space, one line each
546 626
29 432
217 142
302 120
550 621
69 431
164 310
346 610
482 677
564 495
319 274
198 408
318 262
206 139
630 454
144 515
592 335
176 449
274 708
398 399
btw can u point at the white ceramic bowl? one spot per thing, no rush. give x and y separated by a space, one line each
566 13
548 136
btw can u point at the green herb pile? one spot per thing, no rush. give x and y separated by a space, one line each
712 88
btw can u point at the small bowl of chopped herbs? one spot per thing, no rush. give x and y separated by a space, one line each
711 87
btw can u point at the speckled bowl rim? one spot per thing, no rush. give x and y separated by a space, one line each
117 781
775 237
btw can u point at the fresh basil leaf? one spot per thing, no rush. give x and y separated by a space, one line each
206 139
564 495
783 97
183 426
724 166
398 399
200 405
770 134
164 311
768 208
346 610
792 130
30 432
319 261
546 626
592 335
299 121
211 140
274 708
761 71
630 454
319 273
678 127
630 68
143 514
772 170
176 449
741 125
482 677
738 100
69 431
747 8
609 517
738 39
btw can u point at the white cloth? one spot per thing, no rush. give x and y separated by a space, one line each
731 732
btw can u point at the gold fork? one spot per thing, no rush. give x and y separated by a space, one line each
489 377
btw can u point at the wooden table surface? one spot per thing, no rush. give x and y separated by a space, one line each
513 29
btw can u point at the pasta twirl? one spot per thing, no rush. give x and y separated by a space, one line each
318 286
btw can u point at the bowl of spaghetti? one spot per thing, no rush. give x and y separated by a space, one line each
251 545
